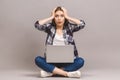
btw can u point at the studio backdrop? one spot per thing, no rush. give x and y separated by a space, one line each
98 43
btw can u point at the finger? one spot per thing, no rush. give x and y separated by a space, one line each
63 8
53 12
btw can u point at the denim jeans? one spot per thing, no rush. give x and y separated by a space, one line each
49 67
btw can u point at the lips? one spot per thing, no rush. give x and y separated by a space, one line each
59 22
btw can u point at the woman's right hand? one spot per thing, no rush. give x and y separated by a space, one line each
43 21
53 13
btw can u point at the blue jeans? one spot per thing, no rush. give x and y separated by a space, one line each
49 67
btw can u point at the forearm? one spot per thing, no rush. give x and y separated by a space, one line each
41 22
74 20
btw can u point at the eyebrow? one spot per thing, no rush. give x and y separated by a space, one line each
58 14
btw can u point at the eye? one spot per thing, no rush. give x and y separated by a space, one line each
62 15
56 15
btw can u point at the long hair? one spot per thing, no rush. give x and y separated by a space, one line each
66 21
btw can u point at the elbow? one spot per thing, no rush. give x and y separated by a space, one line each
82 24
36 24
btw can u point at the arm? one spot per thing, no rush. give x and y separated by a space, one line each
77 27
74 20
77 24
41 24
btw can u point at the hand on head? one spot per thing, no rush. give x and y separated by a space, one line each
53 12
64 10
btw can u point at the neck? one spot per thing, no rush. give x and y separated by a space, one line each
60 27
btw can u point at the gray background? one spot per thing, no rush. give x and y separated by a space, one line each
98 43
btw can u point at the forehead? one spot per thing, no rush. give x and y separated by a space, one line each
59 12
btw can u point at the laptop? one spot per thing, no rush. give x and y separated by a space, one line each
60 54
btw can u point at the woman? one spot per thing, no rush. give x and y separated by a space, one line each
60 28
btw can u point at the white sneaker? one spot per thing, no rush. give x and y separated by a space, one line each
45 74
74 74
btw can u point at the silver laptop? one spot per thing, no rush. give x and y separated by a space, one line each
60 54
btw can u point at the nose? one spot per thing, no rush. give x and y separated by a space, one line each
59 17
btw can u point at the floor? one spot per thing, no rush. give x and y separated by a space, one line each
101 74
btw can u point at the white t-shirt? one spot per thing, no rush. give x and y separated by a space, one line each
58 40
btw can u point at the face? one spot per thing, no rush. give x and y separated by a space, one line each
59 18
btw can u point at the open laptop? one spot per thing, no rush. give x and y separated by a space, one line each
60 54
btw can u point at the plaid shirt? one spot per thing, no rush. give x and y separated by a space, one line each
67 32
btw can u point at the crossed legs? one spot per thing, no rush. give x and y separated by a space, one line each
41 63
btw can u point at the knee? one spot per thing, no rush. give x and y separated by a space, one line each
38 60
80 61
